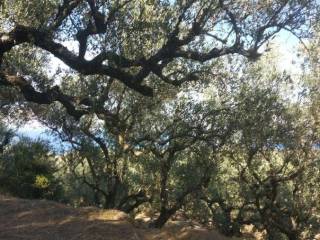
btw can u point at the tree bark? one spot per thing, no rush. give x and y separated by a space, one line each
164 216
129 203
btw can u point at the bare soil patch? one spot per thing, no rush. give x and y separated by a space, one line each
42 219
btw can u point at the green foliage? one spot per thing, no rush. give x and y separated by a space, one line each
34 13
27 170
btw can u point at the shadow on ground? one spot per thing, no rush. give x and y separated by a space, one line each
41 219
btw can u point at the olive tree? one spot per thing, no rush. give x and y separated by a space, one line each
136 42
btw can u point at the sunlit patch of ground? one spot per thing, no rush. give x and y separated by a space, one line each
41 219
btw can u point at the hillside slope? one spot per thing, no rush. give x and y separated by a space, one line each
41 219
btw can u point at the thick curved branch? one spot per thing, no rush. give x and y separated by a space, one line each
50 96
22 34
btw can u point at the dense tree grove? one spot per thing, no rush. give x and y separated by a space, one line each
168 107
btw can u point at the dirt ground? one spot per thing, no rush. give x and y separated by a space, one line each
41 219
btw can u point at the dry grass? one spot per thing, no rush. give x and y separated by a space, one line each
40 219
